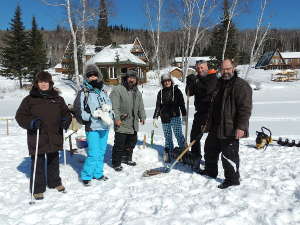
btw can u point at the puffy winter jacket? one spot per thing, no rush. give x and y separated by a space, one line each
52 111
95 99
169 103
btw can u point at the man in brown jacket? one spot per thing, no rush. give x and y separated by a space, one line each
228 122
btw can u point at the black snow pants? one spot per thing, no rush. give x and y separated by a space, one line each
123 148
52 178
198 122
229 149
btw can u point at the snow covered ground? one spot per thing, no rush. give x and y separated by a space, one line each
269 192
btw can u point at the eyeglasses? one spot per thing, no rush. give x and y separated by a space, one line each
227 69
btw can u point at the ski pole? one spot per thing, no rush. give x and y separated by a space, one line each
187 117
34 168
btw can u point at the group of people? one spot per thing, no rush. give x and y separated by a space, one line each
223 108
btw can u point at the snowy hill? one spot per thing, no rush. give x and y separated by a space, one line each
269 193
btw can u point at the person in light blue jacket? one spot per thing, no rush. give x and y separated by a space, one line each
97 114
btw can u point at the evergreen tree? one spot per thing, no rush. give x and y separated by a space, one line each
15 50
218 37
103 33
37 52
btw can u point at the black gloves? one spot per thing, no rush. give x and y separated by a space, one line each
190 79
64 124
35 124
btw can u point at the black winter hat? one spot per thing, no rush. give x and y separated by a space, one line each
131 73
92 69
43 76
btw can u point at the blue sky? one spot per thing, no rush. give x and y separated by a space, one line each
281 14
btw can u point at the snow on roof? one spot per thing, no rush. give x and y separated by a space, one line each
109 55
58 66
90 49
192 60
290 55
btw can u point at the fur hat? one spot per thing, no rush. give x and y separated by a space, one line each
165 77
43 76
92 69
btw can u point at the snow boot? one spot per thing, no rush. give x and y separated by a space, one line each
86 183
118 168
102 178
206 173
166 155
60 188
227 184
38 196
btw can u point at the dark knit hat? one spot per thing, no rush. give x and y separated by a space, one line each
131 73
45 77
92 69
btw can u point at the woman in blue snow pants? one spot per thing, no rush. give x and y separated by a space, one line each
96 112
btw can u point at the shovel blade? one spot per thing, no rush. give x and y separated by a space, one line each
157 171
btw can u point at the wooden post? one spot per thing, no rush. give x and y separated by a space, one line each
144 144
7 127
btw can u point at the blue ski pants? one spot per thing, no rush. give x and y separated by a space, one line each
93 164
175 125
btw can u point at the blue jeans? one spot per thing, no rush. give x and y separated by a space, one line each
175 125
93 165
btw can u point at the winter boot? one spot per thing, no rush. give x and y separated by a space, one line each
228 183
118 168
38 196
60 188
166 155
102 178
127 159
206 173
87 183
196 163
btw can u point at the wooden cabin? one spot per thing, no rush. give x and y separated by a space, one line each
114 61
178 61
279 60
178 73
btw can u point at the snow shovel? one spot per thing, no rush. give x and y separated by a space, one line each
168 168
34 168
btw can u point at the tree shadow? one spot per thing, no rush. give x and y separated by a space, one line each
25 166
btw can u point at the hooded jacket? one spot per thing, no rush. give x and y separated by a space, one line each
96 97
169 103
52 110
128 106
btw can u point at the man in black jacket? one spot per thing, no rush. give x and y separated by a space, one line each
228 122
201 86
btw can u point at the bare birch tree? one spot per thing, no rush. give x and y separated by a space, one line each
154 19
230 17
260 36
67 5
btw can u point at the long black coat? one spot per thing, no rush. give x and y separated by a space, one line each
232 106
51 109
169 103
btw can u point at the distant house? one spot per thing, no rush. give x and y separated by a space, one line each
178 61
279 60
292 58
114 60
58 68
178 73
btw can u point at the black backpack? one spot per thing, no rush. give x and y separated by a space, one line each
77 106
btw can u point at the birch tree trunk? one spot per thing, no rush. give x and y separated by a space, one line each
75 47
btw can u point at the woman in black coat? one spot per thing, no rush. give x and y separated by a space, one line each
169 104
45 110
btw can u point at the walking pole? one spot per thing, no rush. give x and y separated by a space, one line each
187 117
34 168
